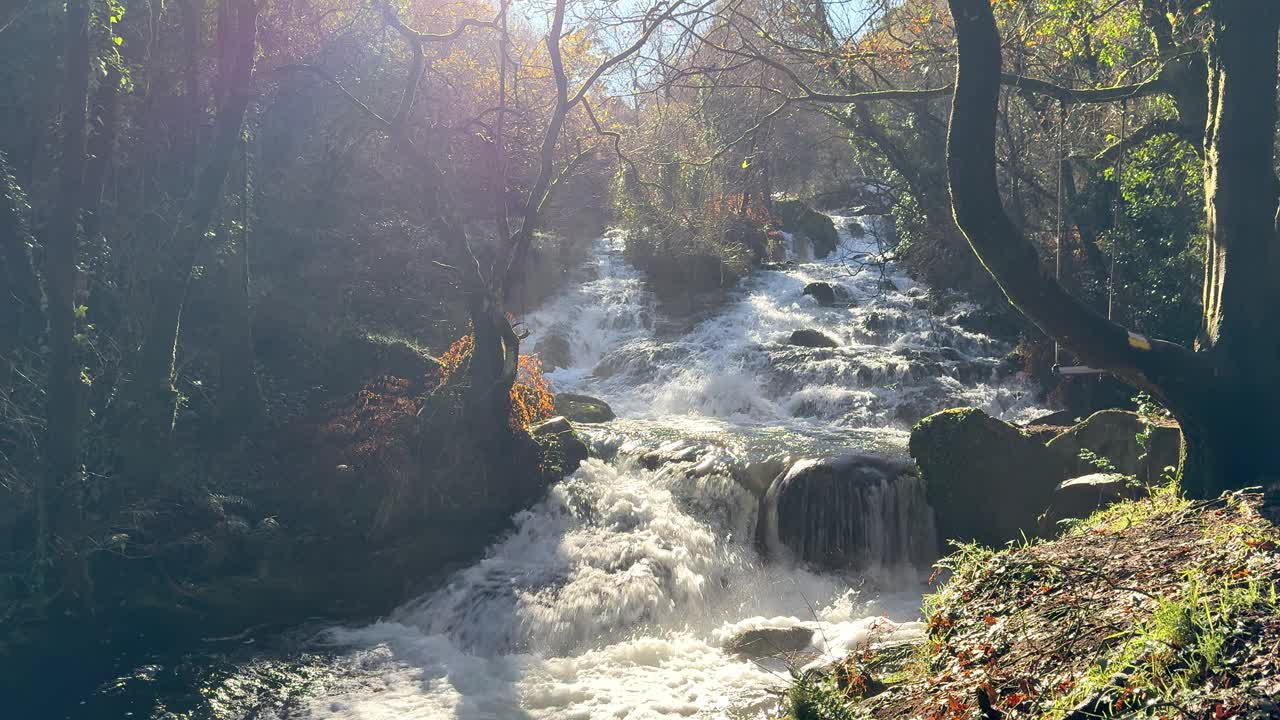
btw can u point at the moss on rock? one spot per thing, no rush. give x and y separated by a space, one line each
986 480
583 408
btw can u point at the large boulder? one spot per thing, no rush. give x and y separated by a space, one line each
827 294
563 442
812 338
986 322
1115 435
583 408
850 512
554 351
1080 497
763 642
800 219
987 481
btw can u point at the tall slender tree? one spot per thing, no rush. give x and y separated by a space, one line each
58 501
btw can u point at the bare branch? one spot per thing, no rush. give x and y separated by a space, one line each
393 19
325 75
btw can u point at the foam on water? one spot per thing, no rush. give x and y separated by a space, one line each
616 595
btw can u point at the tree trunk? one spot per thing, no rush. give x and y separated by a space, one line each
239 397
1228 438
105 118
104 312
150 396
493 363
58 494
1226 428
34 165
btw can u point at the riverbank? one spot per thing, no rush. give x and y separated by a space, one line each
1151 608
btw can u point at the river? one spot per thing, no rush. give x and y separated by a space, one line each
618 595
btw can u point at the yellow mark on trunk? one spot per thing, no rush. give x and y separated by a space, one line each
1139 342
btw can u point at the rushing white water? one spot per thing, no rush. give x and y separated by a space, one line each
620 595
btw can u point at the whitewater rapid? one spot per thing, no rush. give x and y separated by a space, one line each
616 596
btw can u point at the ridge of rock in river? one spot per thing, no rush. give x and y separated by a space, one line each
855 511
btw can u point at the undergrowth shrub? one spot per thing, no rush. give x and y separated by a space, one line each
531 398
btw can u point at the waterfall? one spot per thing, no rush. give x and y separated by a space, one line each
629 589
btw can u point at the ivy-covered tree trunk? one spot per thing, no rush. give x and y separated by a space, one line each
1226 395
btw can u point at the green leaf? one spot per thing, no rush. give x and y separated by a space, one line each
117 40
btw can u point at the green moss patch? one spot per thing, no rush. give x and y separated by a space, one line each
986 479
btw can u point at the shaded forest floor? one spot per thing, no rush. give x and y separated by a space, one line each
1156 608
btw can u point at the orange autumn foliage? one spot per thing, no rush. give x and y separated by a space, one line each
531 399
757 207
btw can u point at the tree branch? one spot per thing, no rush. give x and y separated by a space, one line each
325 75
393 19
1007 255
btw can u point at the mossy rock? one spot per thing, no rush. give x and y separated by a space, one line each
554 351
562 444
986 480
827 294
800 219
1113 435
583 408
812 339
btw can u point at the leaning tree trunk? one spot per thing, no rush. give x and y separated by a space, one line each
1225 395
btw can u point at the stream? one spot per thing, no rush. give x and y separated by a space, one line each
626 591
